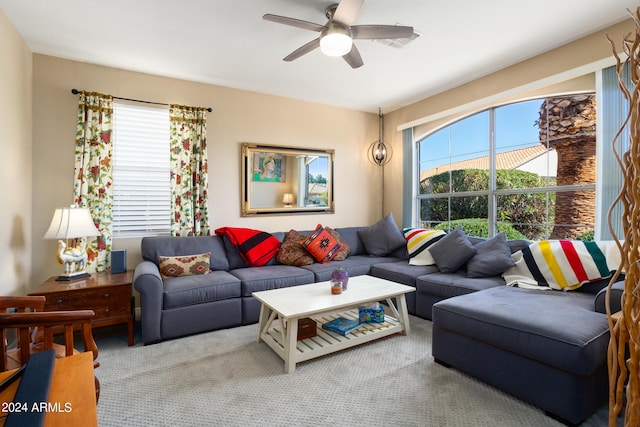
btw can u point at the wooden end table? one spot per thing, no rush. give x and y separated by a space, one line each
108 295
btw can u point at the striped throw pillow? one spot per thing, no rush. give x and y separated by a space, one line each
418 242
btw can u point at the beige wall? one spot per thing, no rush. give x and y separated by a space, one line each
565 69
15 173
238 116
39 112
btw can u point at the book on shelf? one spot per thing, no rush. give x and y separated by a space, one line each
341 325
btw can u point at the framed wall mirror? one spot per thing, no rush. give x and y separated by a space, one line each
286 180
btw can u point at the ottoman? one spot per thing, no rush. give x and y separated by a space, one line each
548 348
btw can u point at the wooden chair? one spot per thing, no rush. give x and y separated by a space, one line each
35 331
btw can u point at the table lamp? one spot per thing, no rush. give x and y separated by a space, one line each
287 199
72 224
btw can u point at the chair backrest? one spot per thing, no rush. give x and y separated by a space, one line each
46 322
22 303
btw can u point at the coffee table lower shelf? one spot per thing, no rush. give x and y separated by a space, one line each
326 342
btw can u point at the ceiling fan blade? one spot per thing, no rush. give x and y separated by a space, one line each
353 58
380 32
303 50
347 11
298 23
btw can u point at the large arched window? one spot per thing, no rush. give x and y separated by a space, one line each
527 168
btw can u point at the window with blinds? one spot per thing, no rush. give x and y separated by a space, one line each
141 188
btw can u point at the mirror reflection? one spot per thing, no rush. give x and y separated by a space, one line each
286 180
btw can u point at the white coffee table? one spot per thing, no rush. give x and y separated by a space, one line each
282 308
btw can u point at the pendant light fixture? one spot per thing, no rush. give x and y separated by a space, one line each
379 151
379 154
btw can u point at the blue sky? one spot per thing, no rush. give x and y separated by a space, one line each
319 166
462 140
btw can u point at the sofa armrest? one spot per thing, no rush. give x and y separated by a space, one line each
148 282
615 297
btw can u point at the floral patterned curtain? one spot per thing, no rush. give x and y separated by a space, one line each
189 176
93 172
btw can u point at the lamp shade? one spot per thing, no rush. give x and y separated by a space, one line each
71 223
287 198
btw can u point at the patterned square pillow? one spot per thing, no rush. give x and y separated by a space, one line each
418 242
344 250
185 265
321 245
291 251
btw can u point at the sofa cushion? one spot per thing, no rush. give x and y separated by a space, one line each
355 265
493 257
152 247
352 237
189 290
533 324
452 251
183 265
383 237
615 297
401 271
256 247
271 277
321 244
291 251
344 250
233 255
595 287
516 245
418 242
447 285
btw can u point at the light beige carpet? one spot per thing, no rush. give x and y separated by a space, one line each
226 378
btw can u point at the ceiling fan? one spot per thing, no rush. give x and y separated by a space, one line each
337 35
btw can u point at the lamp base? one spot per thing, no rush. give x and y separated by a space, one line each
72 276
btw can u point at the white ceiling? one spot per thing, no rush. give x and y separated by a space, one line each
228 43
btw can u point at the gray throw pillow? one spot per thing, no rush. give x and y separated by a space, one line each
493 258
452 251
383 237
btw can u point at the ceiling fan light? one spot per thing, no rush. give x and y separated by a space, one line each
335 44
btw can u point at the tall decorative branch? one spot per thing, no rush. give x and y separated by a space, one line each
624 343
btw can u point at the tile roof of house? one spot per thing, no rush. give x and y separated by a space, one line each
507 160
317 188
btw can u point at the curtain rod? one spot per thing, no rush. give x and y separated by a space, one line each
76 91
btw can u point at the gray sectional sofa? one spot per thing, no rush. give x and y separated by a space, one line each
545 347
191 304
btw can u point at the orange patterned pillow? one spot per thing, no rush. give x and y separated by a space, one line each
321 245
185 265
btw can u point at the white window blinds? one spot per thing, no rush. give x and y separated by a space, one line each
141 188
